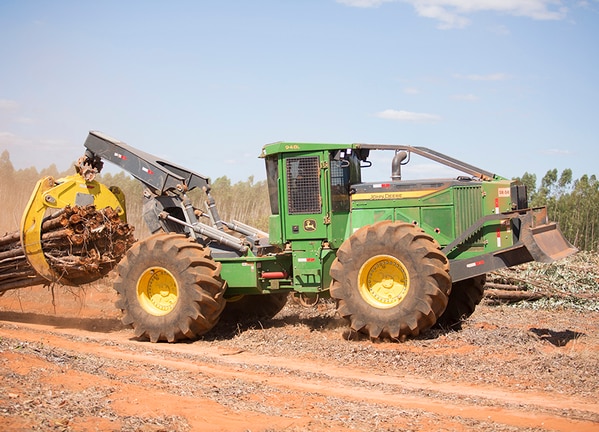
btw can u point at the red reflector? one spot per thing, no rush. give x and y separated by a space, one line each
306 259
385 185
475 264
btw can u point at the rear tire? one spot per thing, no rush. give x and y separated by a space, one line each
390 280
169 288
465 296
254 307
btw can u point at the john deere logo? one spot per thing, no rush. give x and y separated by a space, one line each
309 225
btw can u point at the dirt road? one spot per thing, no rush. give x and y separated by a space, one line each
73 366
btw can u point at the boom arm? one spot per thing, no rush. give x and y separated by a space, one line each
169 182
156 174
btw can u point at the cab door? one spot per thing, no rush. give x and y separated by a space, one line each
305 196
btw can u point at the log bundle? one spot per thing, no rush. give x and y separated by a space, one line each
80 244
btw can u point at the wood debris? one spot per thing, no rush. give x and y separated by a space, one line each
572 278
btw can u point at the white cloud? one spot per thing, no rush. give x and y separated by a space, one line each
10 140
411 90
8 105
7 138
498 76
9 110
437 10
465 97
37 146
363 3
556 152
56 144
23 120
500 30
452 13
391 114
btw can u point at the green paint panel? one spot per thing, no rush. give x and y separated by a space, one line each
408 214
240 273
439 222
244 275
307 268
275 236
338 229
359 218
443 197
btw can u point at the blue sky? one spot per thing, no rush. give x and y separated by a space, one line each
508 85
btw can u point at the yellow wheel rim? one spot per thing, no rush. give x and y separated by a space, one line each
383 281
157 291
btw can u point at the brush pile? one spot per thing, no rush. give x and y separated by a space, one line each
573 281
80 244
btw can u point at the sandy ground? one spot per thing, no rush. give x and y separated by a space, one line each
67 363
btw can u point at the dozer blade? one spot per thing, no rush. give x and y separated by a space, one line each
546 243
538 240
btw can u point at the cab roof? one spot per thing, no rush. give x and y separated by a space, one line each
292 147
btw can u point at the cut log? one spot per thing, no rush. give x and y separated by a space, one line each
80 244
511 295
502 286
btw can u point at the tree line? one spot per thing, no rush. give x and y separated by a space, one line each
573 203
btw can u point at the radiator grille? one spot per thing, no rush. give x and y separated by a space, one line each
468 208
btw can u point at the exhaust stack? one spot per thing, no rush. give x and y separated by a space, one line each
396 165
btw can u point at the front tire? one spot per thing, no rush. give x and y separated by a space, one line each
169 288
390 280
